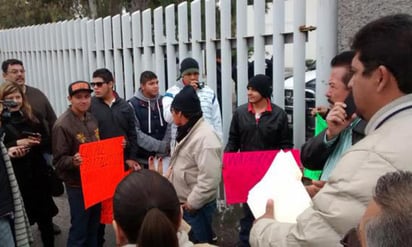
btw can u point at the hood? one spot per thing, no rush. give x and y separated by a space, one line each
139 95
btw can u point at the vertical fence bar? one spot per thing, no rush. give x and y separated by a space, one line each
326 46
210 14
98 28
48 74
60 66
241 51
278 52
147 39
196 31
84 48
137 44
108 43
127 55
65 52
182 35
170 45
299 18
79 62
91 46
37 72
71 50
258 40
225 34
117 55
159 40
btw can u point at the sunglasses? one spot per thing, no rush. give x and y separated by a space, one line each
97 84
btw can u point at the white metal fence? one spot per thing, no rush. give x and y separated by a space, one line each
56 54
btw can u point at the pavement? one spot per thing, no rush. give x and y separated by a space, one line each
62 219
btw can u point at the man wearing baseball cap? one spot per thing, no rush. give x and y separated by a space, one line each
189 75
72 128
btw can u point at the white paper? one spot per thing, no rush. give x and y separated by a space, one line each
282 183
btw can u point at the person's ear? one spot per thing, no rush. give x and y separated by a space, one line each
69 98
121 238
384 77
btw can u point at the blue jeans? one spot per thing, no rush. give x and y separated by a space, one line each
84 223
6 232
201 223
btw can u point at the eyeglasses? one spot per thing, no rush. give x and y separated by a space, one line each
16 71
98 84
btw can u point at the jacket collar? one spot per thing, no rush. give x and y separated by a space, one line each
252 110
387 111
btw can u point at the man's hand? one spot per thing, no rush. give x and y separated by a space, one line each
17 151
156 164
314 188
337 120
77 160
321 110
186 206
133 165
270 211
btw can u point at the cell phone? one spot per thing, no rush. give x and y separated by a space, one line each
30 134
350 106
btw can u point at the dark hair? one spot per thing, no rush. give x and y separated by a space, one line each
9 62
344 59
103 73
147 209
146 76
393 225
387 41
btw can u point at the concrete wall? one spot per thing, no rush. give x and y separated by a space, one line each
353 14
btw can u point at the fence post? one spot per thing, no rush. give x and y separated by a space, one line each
278 53
326 47
299 19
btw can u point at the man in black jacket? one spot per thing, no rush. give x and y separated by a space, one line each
116 118
257 125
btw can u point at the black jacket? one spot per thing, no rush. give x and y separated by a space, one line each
31 169
117 120
269 133
314 152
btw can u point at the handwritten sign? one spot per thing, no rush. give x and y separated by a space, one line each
101 169
243 170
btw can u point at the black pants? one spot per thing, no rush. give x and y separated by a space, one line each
46 231
245 225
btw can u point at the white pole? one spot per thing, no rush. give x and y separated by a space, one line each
299 19
326 46
278 52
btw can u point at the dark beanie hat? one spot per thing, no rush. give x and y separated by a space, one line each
262 84
186 101
188 65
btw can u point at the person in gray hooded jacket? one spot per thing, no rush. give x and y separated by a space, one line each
153 132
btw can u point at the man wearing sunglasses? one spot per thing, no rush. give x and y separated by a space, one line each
116 118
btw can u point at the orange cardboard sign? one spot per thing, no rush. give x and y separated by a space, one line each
101 169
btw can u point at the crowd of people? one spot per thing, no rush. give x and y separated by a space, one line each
362 197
